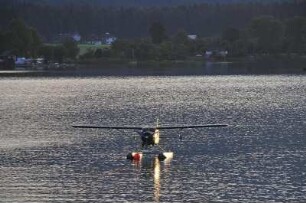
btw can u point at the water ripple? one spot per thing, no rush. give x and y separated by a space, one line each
260 157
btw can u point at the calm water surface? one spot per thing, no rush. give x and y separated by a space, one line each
260 157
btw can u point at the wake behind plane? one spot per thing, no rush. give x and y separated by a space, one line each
150 138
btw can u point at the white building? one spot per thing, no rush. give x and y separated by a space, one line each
192 37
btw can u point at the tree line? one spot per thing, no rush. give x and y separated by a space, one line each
133 3
134 22
263 35
22 40
159 33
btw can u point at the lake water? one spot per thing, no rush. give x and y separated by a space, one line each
260 157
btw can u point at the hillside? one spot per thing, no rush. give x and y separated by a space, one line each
143 3
133 22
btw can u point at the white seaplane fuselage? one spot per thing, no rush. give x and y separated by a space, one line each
150 138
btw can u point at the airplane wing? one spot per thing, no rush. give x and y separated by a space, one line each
109 127
158 127
190 126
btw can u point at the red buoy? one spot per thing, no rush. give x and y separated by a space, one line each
136 157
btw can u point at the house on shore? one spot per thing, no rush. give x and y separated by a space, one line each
105 39
64 36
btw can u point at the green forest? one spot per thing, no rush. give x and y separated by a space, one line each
134 22
154 33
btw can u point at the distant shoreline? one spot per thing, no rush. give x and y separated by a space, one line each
194 60
260 64
178 69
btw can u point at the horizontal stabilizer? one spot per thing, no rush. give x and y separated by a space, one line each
191 126
109 127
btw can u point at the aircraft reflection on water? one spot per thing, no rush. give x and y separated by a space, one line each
153 168
150 138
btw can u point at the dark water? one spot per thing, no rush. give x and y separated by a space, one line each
260 157
251 67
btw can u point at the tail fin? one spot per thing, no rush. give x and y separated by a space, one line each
156 133
157 122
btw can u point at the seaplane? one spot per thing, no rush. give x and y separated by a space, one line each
150 138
